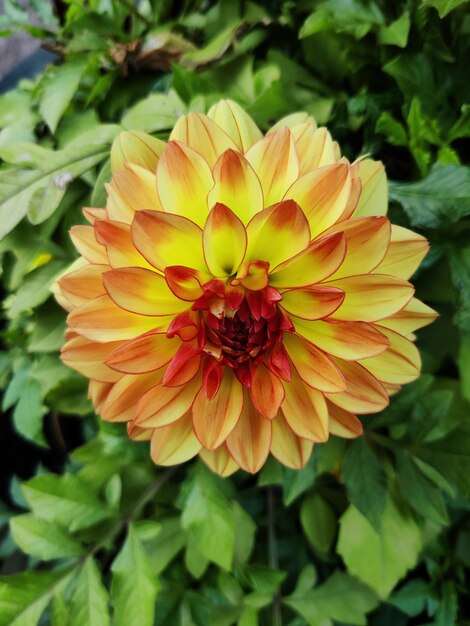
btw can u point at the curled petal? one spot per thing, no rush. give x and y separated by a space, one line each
184 365
312 303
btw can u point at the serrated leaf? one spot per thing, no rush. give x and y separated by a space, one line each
89 601
43 539
379 559
134 586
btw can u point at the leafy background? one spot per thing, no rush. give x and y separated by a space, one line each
374 531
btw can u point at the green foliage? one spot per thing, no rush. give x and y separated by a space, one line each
373 531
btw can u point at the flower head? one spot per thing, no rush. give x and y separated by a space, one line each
241 294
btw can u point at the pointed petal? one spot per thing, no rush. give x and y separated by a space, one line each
92 214
215 419
163 405
312 265
364 393
314 366
184 180
277 233
83 284
175 443
149 352
371 297
323 194
399 364
343 424
98 392
138 148
121 402
165 239
367 240
116 238
374 194
312 303
294 121
138 434
87 357
289 449
305 410
237 186
184 282
84 240
316 149
235 122
274 159
267 392
250 440
219 461
102 320
406 251
142 291
131 189
413 316
347 340
184 365
224 241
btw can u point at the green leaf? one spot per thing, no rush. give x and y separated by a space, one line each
444 7
392 129
98 196
156 113
459 258
34 290
464 365
64 500
24 597
166 545
89 601
440 199
342 16
318 522
20 188
58 88
341 598
379 559
43 539
396 33
134 586
365 481
29 411
411 599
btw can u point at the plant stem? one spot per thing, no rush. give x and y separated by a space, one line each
273 558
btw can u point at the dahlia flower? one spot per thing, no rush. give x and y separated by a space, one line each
241 294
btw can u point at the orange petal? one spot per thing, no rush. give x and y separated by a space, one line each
83 284
250 440
215 419
203 135
92 214
138 148
163 405
98 392
132 189
274 159
175 443
371 297
121 403
267 392
184 365
374 194
367 240
84 240
138 434
219 461
342 423
406 251
347 340
289 449
305 410
237 186
149 352
184 180
313 303
277 233
236 123
399 364
323 194
103 321
185 282
314 366
120 249
224 241
414 315
141 291
312 265
165 239
87 357
364 393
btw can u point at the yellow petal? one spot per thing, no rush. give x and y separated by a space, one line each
84 240
83 284
121 402
374 194
120 249
175 443
237 186
315 148
163 405
138 148
312 303
144 354
220 461
274 159
224 241
289 449
342 423
364 393
400 363
131 189
293 121
305 410
203 135
183 181
413 316
87 357
406 251
235 122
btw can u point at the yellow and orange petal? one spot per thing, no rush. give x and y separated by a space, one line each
241 295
